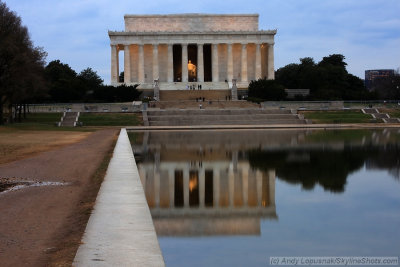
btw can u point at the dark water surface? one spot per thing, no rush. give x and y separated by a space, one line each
235 198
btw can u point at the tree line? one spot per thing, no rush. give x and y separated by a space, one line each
25 77
65 86
327 80
21 65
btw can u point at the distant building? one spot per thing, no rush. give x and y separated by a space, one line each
372 75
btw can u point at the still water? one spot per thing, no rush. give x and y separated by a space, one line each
236 198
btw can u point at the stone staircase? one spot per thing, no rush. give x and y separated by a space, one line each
221 117
384 117
207 104
179 86
69 119
182 86
174 95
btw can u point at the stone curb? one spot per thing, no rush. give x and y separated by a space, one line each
120 231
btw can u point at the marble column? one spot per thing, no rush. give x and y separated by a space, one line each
271 71
184 63
127 65
141 64
258 61
155 62
244 63
200 63
114 65
230 63
170 64
215 74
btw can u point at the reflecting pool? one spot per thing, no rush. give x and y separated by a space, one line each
235 198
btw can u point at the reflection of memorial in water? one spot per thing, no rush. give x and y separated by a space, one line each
201 183
207 198
200 195
223 183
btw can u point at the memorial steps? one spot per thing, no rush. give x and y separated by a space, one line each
180 117
171 95
186 85
206 104
377 115
69 119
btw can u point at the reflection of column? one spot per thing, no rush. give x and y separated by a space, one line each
216 187
186 188
164 189
171 176
149 181
155 62
157 160
235 155
224 188
157 188
141 64
246 171
127 64
259 187
142 175
252 189
114 64
271 71
184 63
271 174
265 199
215 74
170 65
238 188
258 62
202 178
230 63
200 64
231 178
244 63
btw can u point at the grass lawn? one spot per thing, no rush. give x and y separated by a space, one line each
345 116
41 122
43 118
109 119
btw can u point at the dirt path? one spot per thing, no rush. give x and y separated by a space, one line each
17 145
42 225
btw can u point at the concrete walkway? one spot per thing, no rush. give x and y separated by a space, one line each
120 231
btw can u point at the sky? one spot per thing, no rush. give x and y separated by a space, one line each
366 32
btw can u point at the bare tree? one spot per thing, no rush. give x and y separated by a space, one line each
21 64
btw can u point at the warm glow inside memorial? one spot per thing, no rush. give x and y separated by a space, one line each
183 50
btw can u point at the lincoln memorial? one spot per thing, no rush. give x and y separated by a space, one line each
192 51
